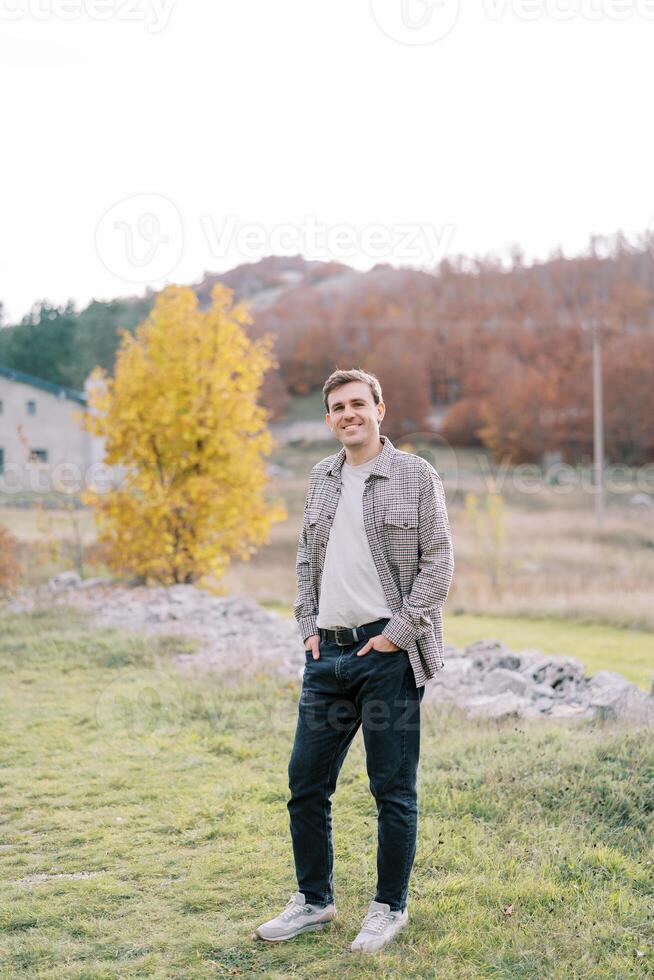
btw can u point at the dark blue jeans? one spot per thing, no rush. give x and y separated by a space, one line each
340 693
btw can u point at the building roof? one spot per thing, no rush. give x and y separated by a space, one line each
42 384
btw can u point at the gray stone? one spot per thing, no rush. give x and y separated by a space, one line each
531 661
607 696
501 679
495 706
64 580
480 647
488 654
545 690
454 674
571 711
615 697
632 705
90 583
642 500
531 711
531 657
605 680
558 671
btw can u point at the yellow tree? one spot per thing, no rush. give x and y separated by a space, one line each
180 416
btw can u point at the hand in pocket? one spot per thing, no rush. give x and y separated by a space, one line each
312 643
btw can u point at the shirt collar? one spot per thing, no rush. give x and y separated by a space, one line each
382 461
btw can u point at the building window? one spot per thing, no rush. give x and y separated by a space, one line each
2 460
453 390
31 407
38 455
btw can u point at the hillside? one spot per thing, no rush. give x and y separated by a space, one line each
506 349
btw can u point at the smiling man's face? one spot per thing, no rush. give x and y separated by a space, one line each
353 417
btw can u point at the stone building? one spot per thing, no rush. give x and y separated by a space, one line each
43 447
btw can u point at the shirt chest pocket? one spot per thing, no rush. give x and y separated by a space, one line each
400 530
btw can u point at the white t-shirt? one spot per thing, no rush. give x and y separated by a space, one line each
351 592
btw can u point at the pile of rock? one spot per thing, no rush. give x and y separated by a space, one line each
235 632
487 679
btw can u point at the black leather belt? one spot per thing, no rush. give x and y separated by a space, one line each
345 636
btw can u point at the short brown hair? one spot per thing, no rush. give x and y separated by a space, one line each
338 378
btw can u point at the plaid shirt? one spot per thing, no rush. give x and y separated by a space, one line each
406 522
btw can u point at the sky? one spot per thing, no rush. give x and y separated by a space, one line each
148 141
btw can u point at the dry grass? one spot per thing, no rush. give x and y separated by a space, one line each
543 557
557 564
551 560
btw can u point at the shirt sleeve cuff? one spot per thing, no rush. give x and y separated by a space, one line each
399 631
307 626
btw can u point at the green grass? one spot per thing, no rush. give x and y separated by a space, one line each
598 646
171 793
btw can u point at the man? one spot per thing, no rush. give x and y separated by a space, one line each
374 567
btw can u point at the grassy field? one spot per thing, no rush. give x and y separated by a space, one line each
534 573
539 553
145 833
536 555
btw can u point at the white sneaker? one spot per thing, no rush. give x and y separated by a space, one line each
297 917
379 927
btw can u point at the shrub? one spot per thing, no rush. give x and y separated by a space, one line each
10 568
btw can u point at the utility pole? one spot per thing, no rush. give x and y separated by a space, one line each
593 321
598 424
593 325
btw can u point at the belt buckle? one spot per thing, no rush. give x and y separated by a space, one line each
347 642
